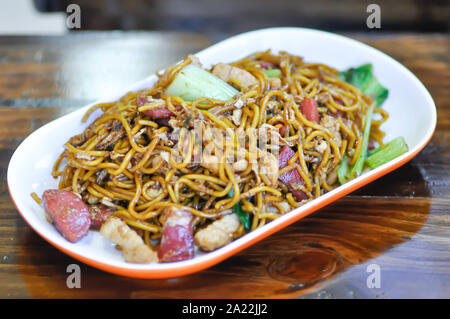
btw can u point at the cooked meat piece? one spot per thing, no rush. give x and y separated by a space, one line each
78 140
114 135
133 247
236 117
195 60
267 65
270 167
101 175
158 112
291 178
163 121
227 72
177 241
322 97
270 208
320 145
91 199
275 83
332 178
210 162
332 124
309 110
240 165
218 233
99 214
269 134
68 212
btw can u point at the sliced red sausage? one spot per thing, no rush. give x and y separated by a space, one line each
99 214
177 241
308 107
291 178
299 195
282 130
69 213
159 112
163 121
285 155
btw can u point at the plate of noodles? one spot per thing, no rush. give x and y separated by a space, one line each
218 151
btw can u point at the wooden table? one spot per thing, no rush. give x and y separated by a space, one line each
400 223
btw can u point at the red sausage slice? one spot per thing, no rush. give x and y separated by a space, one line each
282 130
309 109
69 213
299 195
99 214
177 241
290 178
159 112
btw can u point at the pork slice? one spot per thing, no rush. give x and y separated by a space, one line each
291 178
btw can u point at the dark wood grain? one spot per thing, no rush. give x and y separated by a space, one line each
400 222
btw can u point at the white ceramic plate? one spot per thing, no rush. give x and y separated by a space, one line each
410 106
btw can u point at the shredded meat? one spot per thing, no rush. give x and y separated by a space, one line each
329 122
80 139
320 145
114 135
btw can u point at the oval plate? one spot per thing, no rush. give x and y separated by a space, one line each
412 115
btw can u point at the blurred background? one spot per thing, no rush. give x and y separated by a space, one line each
69 70
218 18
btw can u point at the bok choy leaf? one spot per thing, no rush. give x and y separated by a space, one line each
193 82
363 78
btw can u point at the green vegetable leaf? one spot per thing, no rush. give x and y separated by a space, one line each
363 78
387 152
273 73
244 217
358 167
343 172
192 83
371 152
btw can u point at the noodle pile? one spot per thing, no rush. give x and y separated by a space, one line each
126 160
